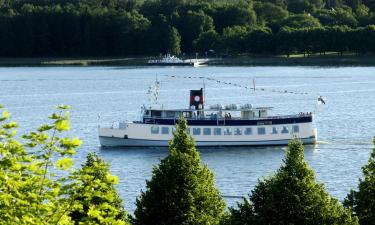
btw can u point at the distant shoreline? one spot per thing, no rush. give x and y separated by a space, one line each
294 60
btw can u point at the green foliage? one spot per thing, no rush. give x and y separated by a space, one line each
362 201
93 195
191 25
30 191
370 4
291 196
301 21
174 41
236 14
207 41
336 17
181 190
303 6
74 28
269 13
235 37
260 41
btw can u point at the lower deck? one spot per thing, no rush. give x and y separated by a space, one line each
139 134
121 142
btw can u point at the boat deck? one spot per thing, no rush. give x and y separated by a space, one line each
234 121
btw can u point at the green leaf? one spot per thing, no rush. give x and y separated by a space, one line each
63 107
70 143
5 116
64 163
54 116
45 127
10 125
62 125
112 179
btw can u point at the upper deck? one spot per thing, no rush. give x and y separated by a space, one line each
214 117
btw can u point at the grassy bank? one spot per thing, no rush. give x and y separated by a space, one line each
18 62
330 59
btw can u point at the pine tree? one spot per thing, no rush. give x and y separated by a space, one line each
95 199
362 202
181 190
291 196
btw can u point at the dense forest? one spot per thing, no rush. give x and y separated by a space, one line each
76 28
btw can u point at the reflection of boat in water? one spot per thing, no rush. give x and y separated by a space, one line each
216 126
171 60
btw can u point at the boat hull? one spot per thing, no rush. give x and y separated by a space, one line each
122 142
158 135
194 64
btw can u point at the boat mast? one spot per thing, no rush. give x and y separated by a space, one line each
204 95
153 92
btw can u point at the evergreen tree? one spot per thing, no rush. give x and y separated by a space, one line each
95 199
181 190
362 201
292 196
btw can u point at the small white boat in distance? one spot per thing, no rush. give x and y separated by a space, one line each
171 60
231 125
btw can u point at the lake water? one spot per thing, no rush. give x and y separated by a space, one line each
345 124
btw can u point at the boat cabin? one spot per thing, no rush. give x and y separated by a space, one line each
226 113
197 111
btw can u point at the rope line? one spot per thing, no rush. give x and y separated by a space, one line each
238 85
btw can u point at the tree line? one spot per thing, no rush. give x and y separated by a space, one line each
180 191
75 28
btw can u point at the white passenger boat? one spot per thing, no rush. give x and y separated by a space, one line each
231 125
171 60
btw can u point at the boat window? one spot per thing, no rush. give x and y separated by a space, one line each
285 130
295 128
237 131
170 114
217 131
274 130
165 130
154 130
248 131
173 130
206 131
227 131
187 114
196 131
261 130
155 113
